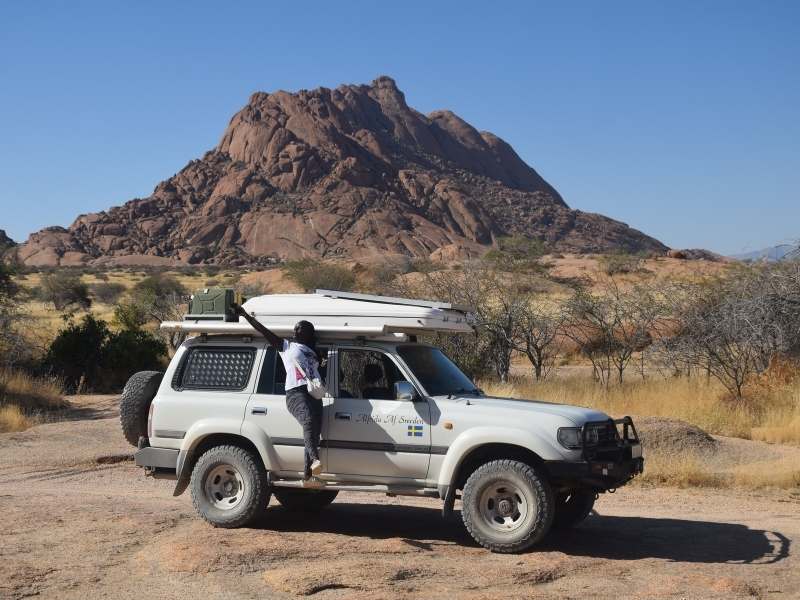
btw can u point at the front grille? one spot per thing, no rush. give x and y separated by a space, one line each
607 434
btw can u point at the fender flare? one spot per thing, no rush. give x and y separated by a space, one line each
206 427
481 436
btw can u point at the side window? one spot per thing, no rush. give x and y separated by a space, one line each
272 378
221 369
367 374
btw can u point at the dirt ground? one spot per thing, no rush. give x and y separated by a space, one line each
79 520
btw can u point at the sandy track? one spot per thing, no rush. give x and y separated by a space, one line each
80 521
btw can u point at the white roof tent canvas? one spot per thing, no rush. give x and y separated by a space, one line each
339 315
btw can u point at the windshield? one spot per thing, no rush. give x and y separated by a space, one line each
435 371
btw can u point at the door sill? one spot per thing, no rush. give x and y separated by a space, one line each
344 486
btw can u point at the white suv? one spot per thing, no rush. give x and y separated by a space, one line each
400 419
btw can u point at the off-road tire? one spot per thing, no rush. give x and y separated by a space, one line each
304 500
255 489
134 403
572 508
533 488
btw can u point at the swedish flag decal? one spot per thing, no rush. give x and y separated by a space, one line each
415 431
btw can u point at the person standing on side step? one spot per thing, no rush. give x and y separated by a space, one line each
302 352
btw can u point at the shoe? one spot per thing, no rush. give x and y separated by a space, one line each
316 467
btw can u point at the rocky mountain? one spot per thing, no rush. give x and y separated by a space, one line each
5 241
352 172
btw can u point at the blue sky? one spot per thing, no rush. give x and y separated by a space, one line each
679 118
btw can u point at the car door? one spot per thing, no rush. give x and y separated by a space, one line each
369 432
267 409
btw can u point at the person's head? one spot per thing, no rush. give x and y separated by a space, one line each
305 334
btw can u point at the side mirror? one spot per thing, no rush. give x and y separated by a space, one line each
404 390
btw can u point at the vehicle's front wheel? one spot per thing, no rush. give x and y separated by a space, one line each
507 506
573 507
229 486
304 500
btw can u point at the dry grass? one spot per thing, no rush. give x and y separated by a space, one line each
782 473
774 416
13 419
689 470
45 320
24 399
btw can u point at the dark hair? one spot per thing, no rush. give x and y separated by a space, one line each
301 324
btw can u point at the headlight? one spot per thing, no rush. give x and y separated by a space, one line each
570 437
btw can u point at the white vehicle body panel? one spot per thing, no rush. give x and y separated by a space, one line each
450 427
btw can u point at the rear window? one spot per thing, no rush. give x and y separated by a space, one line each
222 369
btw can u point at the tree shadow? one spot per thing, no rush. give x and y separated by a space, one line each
609 537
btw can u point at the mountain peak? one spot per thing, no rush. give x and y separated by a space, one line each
351 171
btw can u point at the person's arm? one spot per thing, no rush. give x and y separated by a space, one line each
274 340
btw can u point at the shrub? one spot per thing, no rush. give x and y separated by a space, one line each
107 293
88 356
618 264
311 274
65 289
130 316
127 352
516 253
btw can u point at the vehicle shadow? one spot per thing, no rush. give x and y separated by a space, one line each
676 540
610 537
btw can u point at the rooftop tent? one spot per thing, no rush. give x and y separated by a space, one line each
338 314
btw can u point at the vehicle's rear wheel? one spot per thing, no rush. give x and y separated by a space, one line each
134 404
573 507
229 486
304 500
507 506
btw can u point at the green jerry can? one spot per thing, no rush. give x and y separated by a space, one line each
213 304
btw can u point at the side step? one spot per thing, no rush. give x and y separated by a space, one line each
391 490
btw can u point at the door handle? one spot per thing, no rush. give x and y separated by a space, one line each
342 416
258 410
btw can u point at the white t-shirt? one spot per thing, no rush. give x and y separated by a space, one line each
305 356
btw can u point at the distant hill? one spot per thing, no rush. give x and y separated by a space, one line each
5 242
771 254
352 172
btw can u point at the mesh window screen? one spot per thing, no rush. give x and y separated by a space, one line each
218 369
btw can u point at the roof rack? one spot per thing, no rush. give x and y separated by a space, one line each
394 300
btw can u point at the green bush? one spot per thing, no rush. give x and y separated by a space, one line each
130 316
89 356
312 274
516 253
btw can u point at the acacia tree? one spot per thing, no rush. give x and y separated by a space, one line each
610 328
158 297
538 333
733 327
497 307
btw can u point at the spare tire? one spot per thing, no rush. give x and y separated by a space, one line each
135 403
